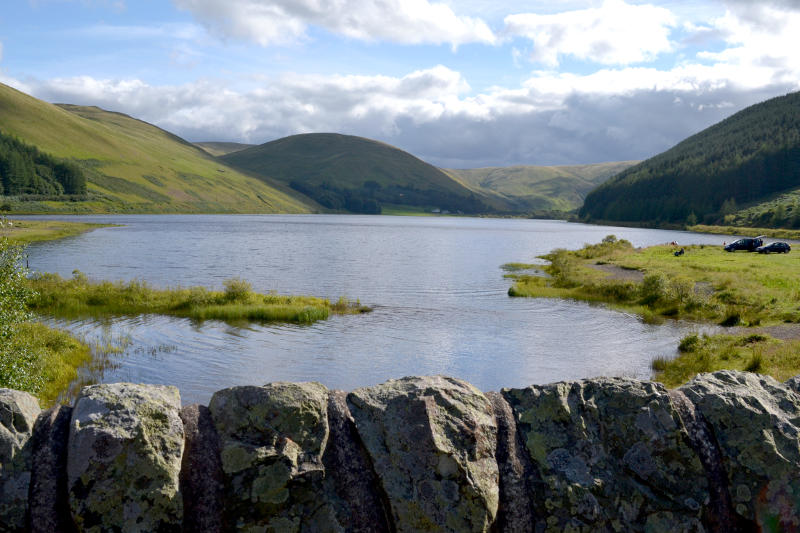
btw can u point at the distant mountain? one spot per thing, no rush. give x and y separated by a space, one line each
222 148
343 172
130 165
746 159
532 189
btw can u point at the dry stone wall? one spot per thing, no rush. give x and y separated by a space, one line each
720 454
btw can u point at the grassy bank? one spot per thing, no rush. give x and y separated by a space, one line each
27 231
80 297
772 233
705 284
708 353
41 360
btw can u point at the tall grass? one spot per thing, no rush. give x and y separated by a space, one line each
81 297
708 353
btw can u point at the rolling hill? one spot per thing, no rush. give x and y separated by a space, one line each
133 166
343 172
532 189
748 159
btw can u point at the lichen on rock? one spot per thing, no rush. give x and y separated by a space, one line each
432 441
125 448
609 453
272 439
756 423
18 412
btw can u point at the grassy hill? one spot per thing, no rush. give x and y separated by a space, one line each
528 189
749 159
133 166
222 148
343 172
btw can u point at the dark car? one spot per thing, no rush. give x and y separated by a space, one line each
748 243
775 248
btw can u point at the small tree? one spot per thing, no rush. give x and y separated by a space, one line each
14 294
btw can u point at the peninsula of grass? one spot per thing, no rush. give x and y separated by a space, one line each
27 231
80 297
772 233
704 284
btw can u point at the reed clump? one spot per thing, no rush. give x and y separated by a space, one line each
237 302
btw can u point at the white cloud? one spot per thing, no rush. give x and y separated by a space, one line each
552 119
614 34
284 21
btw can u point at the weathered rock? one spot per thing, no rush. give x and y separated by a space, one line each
719 515
49 503
516 513
756 421
201 472
432 441
18 412
272 440
350 481
612 455
124 457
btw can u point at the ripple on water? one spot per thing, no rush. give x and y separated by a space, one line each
439 296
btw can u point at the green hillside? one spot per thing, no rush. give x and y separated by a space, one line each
531 189
222 148
347 173
132 166
745 160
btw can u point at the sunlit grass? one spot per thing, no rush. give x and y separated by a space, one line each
707 353
41 360
80 297
705 283
26 231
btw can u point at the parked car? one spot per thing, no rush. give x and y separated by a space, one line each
748 243
775 248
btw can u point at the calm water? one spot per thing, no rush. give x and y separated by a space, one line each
435 283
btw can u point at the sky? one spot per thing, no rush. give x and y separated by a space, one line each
460 84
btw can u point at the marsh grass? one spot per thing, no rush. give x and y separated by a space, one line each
80 297
704 284
41 360
708 353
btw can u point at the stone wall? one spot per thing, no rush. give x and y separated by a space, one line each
721 453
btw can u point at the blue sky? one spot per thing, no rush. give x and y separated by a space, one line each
458 83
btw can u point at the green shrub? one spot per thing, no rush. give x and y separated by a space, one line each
237 290
654 289
689 343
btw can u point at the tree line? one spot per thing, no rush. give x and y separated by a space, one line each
25 170
368 198
743 159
